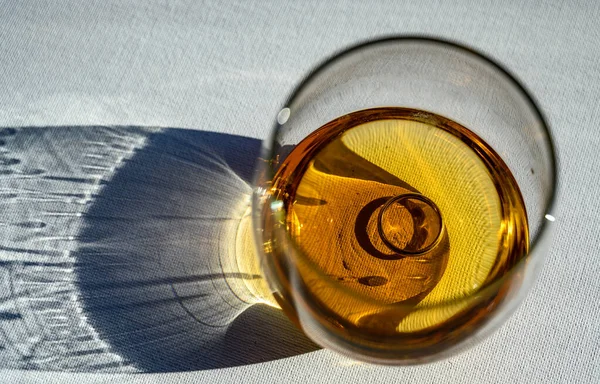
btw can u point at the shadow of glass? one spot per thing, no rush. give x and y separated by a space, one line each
145 269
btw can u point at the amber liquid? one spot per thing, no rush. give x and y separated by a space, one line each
332 186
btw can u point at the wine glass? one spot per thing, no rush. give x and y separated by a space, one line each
419 159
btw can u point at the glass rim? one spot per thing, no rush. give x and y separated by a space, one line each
549 207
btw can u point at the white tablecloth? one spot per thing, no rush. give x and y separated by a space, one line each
226 67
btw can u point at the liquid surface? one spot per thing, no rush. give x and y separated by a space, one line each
333 186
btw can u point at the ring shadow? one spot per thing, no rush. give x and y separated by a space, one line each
148 267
